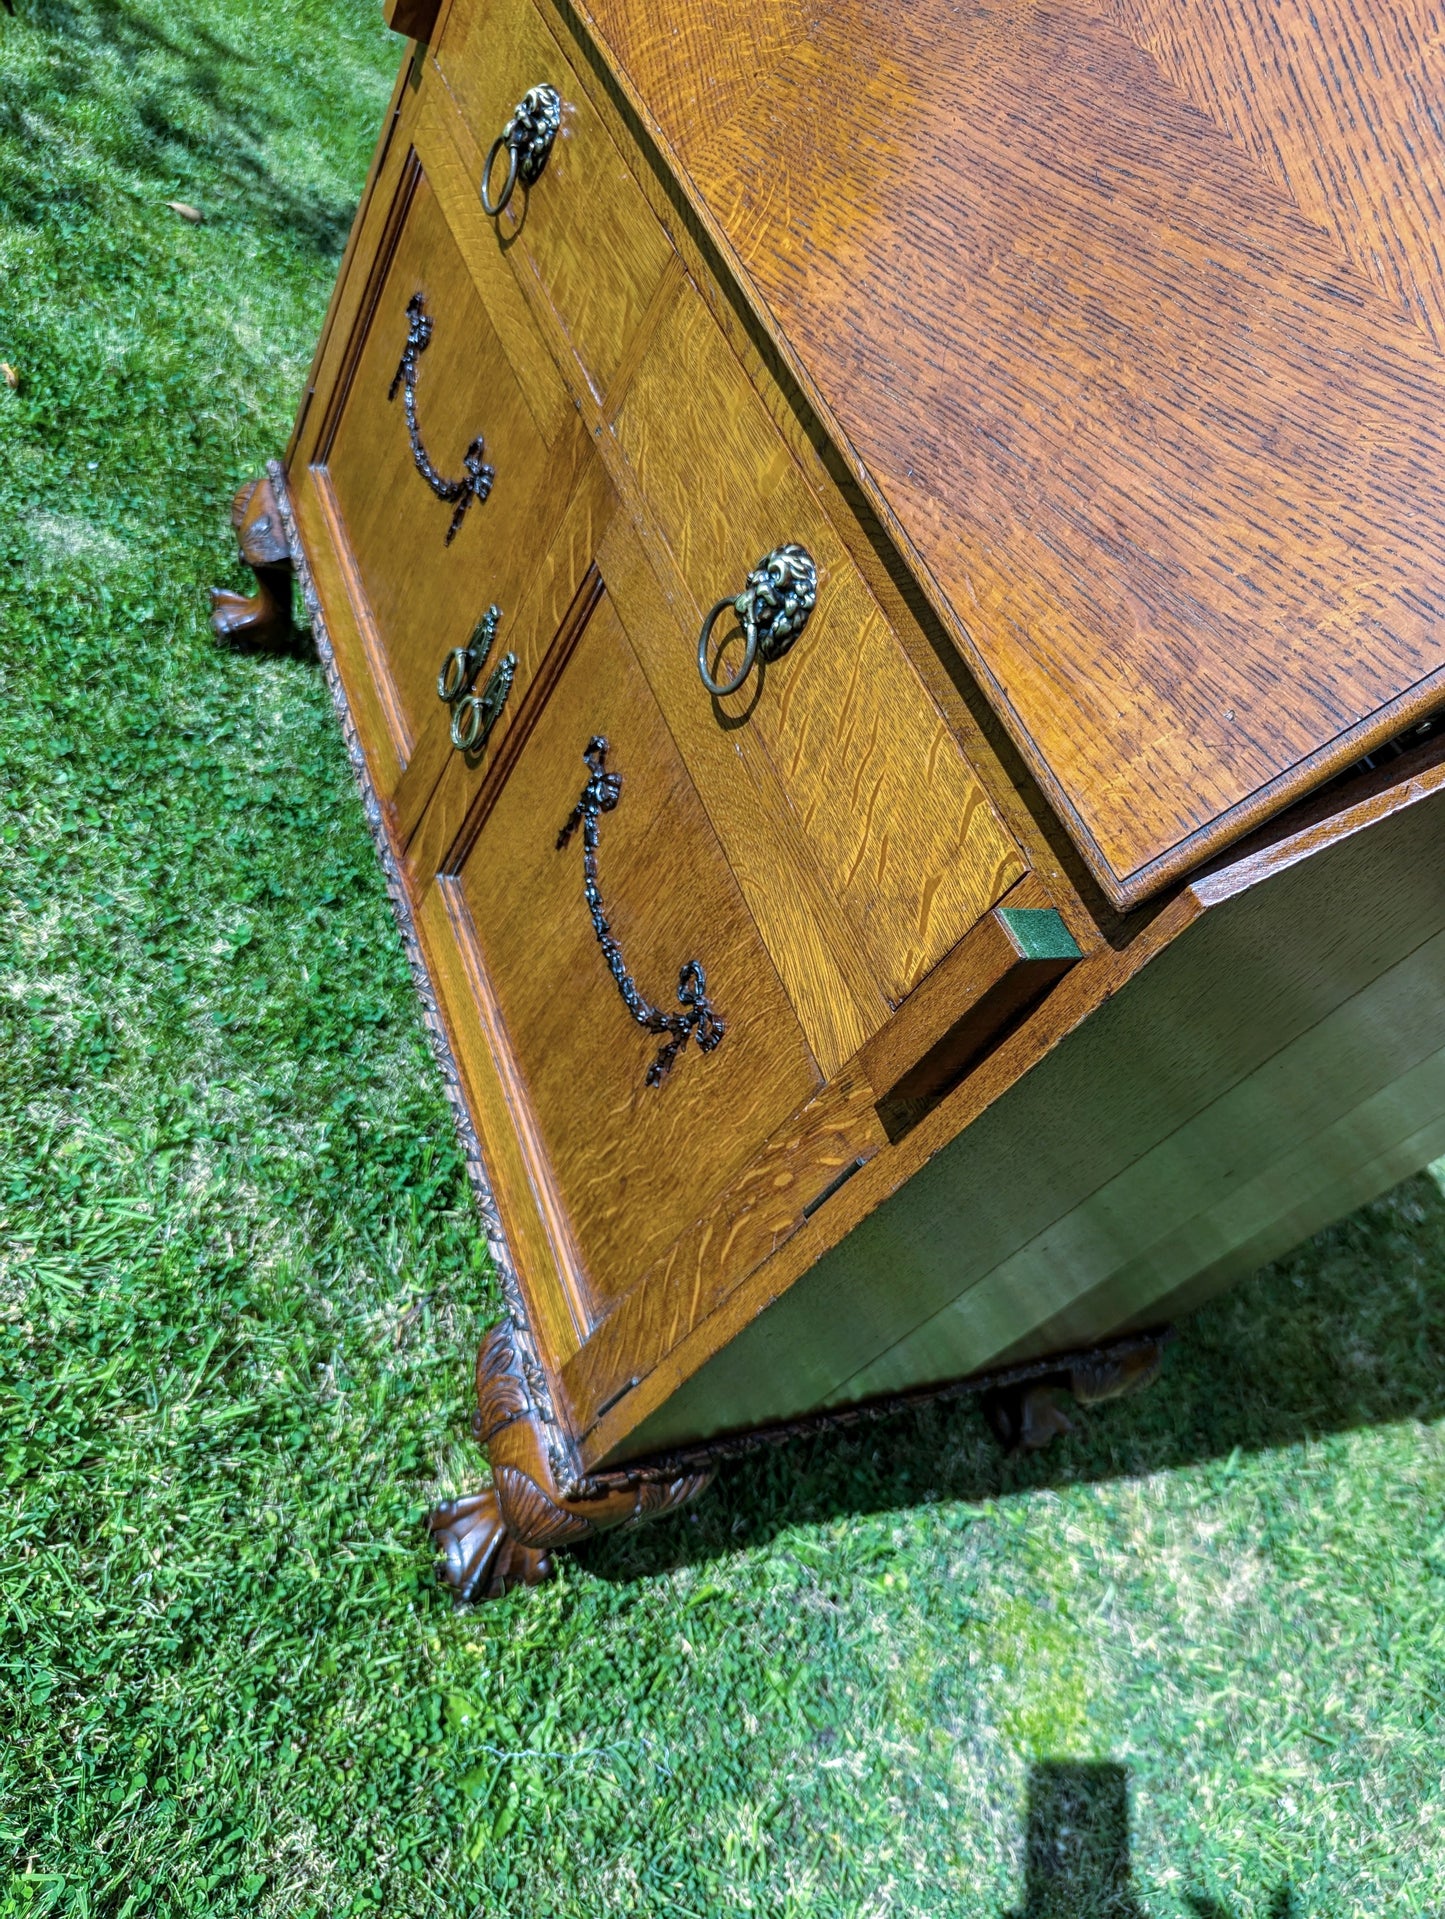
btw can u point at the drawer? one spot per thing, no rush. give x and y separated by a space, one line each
898 821
562 927
441 477
584 227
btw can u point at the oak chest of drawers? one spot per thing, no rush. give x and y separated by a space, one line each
881 568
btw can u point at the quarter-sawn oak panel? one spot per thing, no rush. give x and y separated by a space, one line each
634 1163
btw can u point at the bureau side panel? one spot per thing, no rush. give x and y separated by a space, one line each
1291 1029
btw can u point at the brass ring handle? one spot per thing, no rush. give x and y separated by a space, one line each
781 592
474 717
528 138
475 714
462 665
456 675
721 688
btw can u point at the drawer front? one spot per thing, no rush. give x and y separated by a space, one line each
439 484
898 821
583 225
591 895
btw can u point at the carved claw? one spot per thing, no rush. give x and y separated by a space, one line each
480 1558
261 621
503 1538
1024 1419
1027 1417
1111 1375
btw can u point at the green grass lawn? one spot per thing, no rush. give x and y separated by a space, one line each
240 1282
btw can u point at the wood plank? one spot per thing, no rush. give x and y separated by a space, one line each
426 577
585 208
1368 1075
546 1261
870 532
1333 100
814 948
451 166
337 592
634 1160
1370 1149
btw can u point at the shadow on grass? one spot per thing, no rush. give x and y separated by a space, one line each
172 105
1347 1332
1077 1862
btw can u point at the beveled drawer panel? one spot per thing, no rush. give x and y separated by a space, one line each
584 226
899 822
439 486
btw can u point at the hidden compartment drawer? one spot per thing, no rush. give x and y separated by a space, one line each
897 819
574 212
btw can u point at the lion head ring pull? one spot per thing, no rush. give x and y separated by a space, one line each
475 714
528 138
773 608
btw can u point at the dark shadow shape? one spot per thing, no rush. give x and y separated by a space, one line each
1076 1847
1347 1332
1281 1906
1077 1853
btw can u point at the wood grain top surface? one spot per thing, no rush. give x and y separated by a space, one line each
1133 316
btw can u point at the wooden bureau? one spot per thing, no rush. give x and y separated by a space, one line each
881 569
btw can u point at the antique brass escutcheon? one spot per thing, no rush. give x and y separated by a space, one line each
773 607
528 138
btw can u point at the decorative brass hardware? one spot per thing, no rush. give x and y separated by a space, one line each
528 138
773 607
600 795
476 481
475 714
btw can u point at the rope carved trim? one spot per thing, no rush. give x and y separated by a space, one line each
600 795
476 480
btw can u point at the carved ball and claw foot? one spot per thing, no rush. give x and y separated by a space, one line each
1025 1418
259 622
505 1537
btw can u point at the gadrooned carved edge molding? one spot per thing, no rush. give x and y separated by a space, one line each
561 1456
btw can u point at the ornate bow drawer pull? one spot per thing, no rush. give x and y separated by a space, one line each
475 482
475 714
773 608
528 138
699 1018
